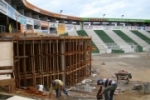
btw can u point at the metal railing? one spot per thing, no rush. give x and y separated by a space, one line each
2 29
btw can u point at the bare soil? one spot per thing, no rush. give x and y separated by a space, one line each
105 65
138 64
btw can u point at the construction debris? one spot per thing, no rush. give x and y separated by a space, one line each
83 88
145 87
32 90
119 91
86 81
137 87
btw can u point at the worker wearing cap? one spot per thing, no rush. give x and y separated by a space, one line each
110 86
58 86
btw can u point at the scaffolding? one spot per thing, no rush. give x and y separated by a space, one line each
40 59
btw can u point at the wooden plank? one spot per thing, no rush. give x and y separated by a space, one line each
5 67
6 82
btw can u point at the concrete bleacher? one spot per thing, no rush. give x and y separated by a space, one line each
116 41
137 39
98 42
119 41
140 35
128 40
108 41
83 33
146 33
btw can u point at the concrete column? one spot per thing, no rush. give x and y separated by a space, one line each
63 60
7 24
21 11
81 26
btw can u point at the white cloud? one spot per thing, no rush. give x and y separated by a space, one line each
96 8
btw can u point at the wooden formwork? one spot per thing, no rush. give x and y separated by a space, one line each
40 59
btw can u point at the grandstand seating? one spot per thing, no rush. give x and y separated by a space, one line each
145 38
98 42
145 33
115 41
108 41
128 40
119 41
137 39
83 33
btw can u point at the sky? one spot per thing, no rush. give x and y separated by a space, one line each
138 9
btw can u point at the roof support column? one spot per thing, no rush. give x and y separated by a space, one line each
81 25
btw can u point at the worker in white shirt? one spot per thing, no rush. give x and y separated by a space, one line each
110 86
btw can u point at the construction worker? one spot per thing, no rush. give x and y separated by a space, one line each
58 86
110 86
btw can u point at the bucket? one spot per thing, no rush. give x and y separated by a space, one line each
40 87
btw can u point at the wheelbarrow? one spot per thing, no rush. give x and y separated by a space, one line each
123 75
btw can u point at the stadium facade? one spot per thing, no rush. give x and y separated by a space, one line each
25 17
38 60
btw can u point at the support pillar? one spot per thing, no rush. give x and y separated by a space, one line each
7 24
63 60
81 25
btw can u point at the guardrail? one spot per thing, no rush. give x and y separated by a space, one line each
2 29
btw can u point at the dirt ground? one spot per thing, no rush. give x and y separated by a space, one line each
138 64
105 65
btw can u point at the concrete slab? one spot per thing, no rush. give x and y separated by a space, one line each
19 98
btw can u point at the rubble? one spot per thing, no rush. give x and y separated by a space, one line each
33 90
86 81
144 87
94 75
83 88
119 91
137 87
